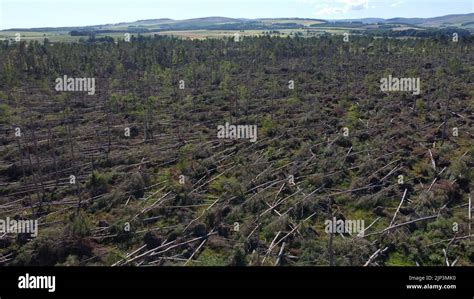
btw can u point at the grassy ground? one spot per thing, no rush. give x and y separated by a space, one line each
64 36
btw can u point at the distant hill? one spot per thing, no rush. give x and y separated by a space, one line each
212 20
449 20
364 20
465 21
409 21
153 21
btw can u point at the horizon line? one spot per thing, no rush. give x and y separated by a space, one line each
236 18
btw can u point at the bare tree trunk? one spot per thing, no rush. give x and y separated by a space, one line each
332 261
38 165
446 111
20 154
73 158
470 213
107 114
258 239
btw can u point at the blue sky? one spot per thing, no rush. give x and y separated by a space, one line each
54 13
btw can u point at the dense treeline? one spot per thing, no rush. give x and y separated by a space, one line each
438 34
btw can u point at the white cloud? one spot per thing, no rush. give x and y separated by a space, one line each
397 3
329 11
355 4
336 7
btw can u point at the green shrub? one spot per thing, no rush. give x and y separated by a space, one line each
81 225
98 183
